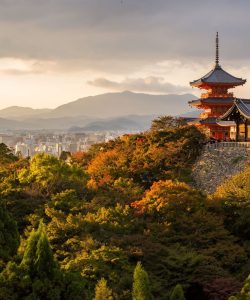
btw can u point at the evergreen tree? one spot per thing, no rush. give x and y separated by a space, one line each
9 236
141 286
6 155
38 261
38 256
102 292
39 276
177 293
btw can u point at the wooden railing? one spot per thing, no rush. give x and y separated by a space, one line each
218 145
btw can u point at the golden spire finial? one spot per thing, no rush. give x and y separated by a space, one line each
217 50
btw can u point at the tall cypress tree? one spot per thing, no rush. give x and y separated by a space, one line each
38 256
177 293
102 292
38 261
141 285
39 276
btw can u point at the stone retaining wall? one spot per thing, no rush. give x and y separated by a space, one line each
216 165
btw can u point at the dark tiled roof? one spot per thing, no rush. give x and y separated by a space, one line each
218 76
212 101
240 105
194 121
211 121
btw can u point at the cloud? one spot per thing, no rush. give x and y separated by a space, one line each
149 84
14 66
111 35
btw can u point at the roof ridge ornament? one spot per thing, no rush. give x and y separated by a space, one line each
217 51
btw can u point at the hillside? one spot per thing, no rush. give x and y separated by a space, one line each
21 113
127 124
126 103
121 206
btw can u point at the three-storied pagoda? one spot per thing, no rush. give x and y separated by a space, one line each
217 100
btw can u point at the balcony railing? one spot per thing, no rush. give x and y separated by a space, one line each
217 145
216 95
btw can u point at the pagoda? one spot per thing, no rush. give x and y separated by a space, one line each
216 100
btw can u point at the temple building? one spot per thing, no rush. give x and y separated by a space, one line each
216 100
239 113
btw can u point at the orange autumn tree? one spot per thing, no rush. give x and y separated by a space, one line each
105 167
168 198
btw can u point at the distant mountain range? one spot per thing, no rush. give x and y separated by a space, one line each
111 111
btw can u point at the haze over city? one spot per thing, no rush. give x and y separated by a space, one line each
53 52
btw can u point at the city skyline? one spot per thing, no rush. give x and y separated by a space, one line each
54 52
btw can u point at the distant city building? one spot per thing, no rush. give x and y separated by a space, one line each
58 149
29 144
23 149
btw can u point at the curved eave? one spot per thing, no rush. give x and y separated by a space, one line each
226 123
240 106
208 122
203 84
195 122
227 114
243 109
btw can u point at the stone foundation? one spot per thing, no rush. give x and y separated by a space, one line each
214 166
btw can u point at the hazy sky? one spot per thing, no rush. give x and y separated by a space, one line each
55 51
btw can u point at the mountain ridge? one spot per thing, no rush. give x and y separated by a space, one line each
103 108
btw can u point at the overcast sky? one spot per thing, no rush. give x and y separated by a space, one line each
55 51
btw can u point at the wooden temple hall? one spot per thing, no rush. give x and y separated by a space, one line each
224 117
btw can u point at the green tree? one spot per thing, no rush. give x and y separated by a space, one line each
38 256
177 293
234 196
102 292
9 236
6 154
166 123
39 276
39 263
48 175
141 285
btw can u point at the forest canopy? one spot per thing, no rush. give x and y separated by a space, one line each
122 221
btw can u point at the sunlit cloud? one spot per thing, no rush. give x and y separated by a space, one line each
18 66
66 49
149 84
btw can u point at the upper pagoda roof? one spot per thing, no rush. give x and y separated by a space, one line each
217 76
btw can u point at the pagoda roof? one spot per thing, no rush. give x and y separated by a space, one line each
199 121
212 100
218 76
209 121
240 105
